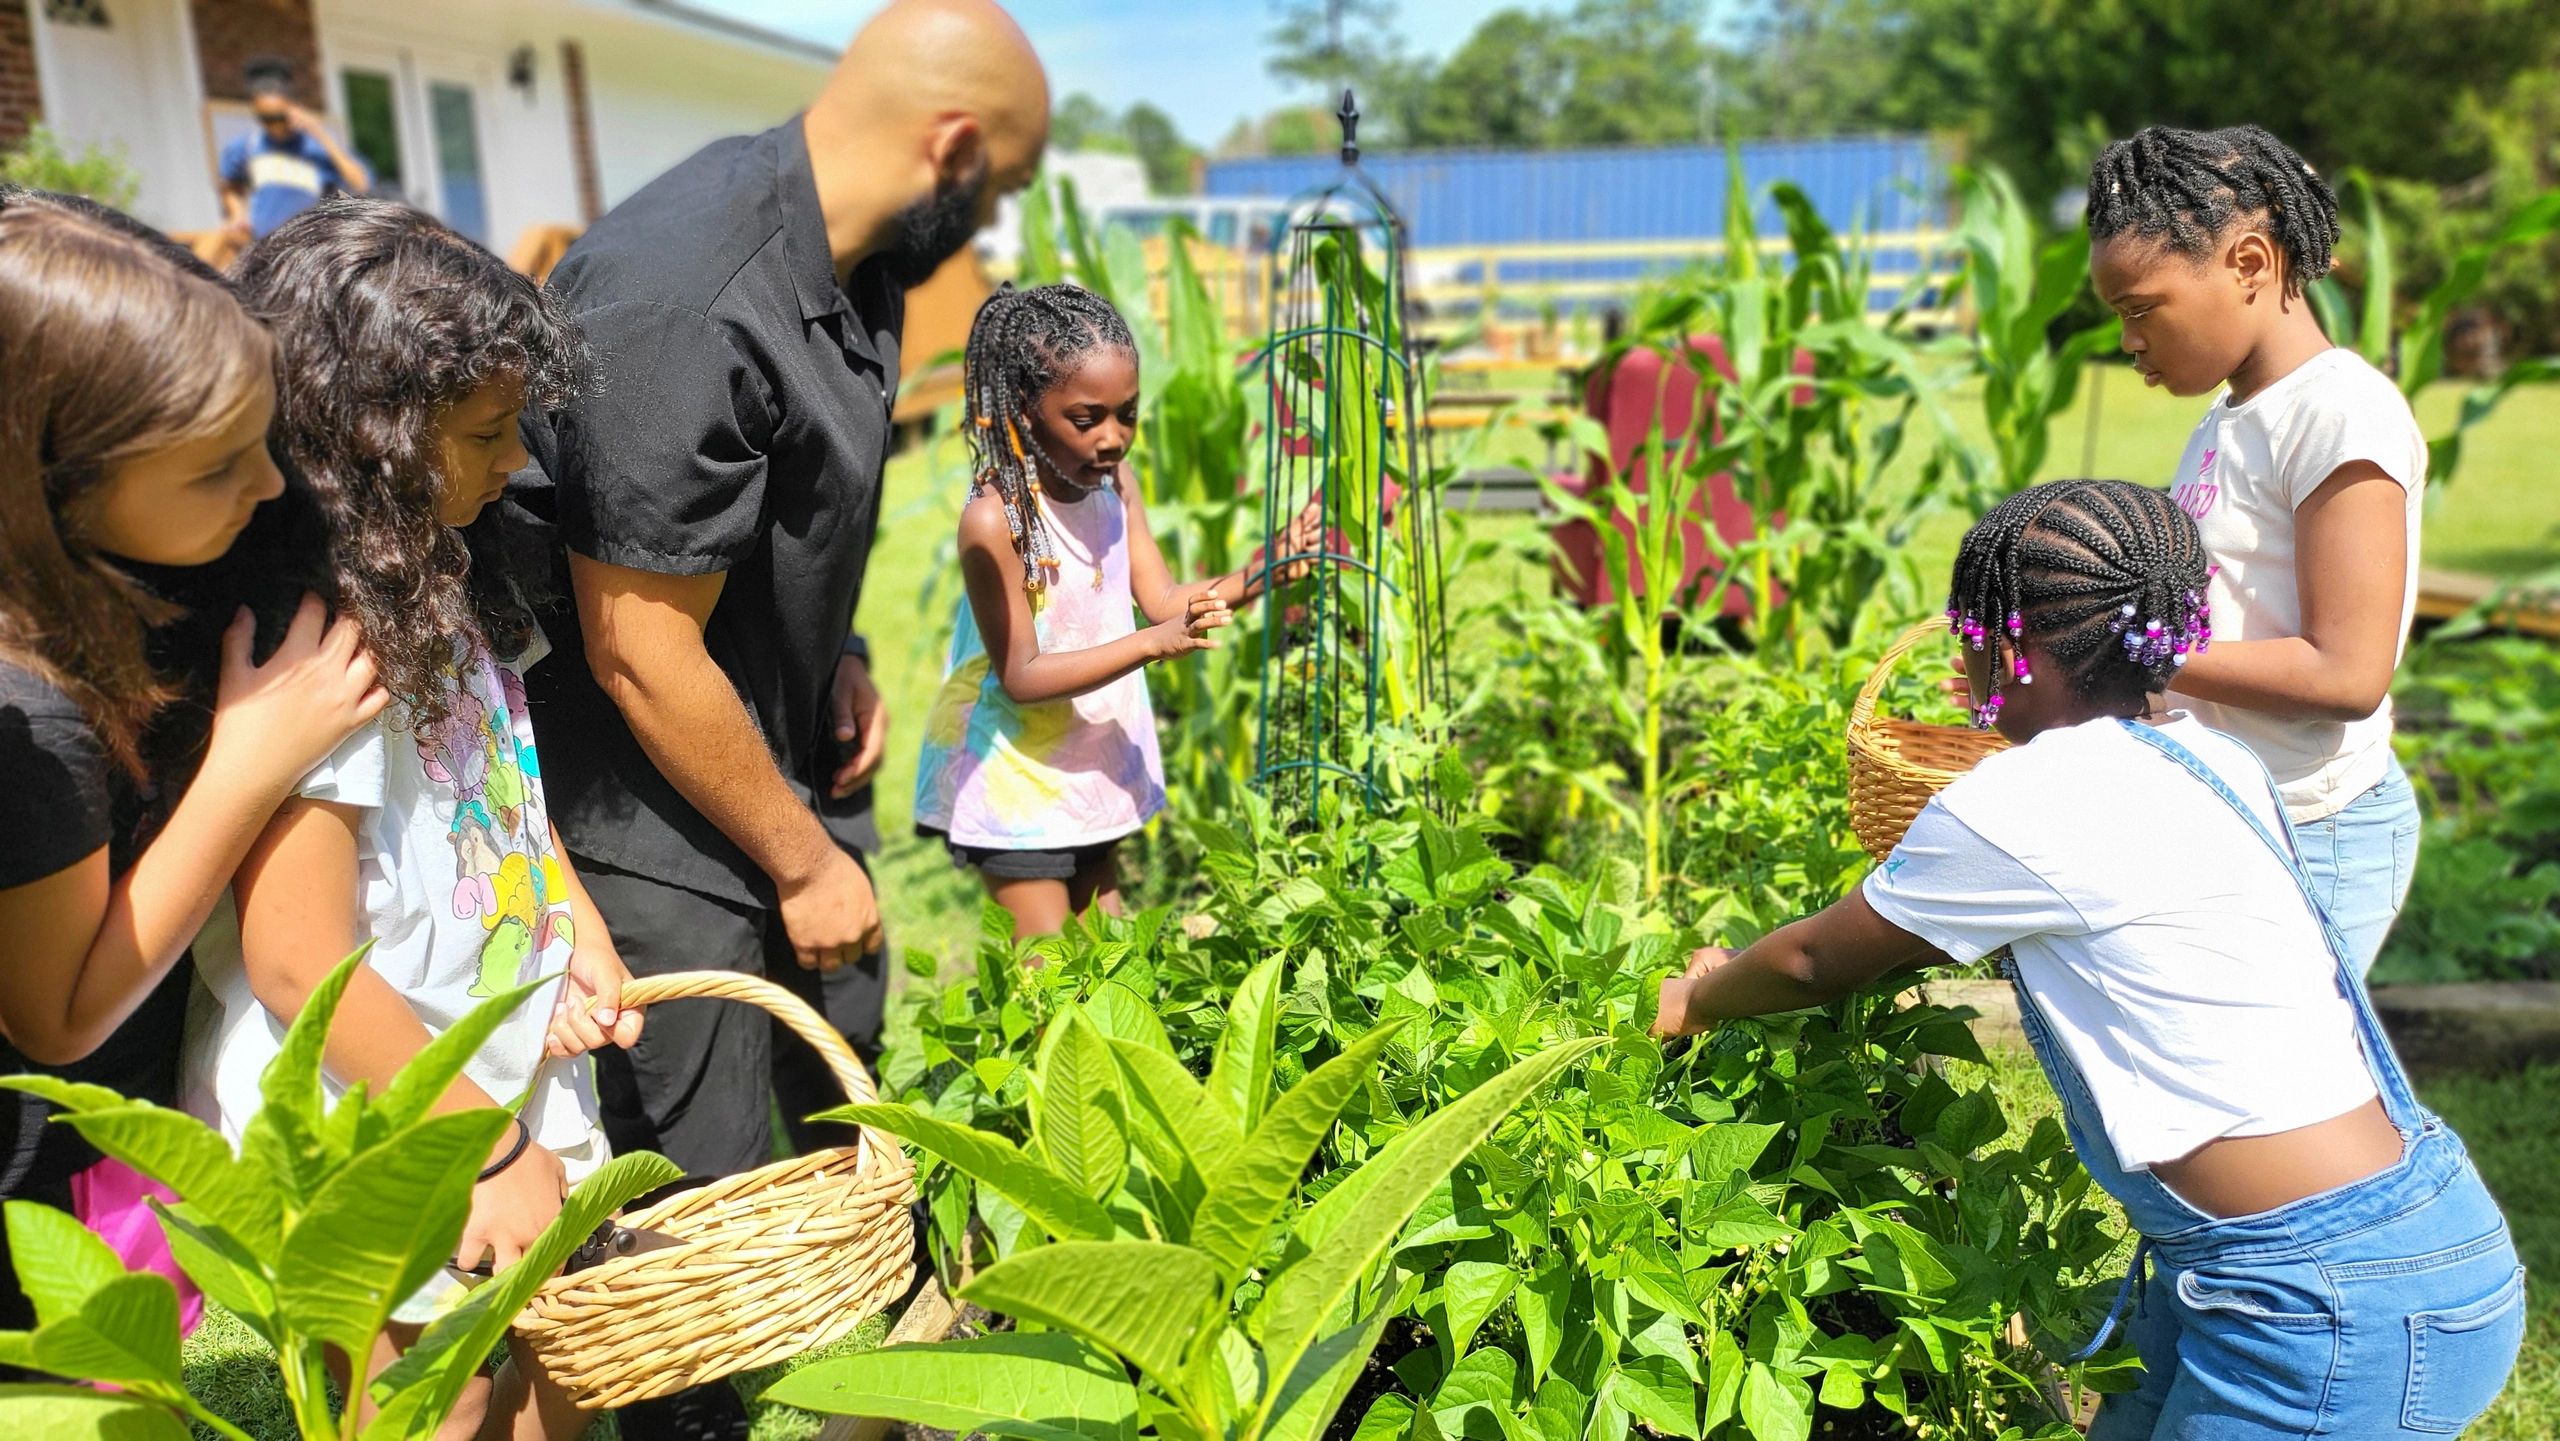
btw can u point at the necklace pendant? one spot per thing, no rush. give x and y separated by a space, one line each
1097 577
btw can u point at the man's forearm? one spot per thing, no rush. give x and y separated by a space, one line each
688 719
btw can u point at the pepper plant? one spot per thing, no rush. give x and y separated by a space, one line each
323 1222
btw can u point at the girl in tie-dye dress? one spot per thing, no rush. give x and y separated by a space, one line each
1040 752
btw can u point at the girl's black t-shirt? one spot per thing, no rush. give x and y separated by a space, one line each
62 799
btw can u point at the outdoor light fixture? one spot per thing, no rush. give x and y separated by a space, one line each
520 70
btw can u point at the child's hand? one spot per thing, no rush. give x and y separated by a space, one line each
1671 1010
1304 537
589 1015
1189 631
511 1208
275 721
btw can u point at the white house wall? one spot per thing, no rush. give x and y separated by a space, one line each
656 91
658 94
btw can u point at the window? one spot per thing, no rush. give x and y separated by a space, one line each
466 192
373 126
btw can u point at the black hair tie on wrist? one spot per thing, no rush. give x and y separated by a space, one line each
524 1138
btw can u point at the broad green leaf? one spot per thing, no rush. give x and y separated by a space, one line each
126 1331
1469 1292
1475 1398
1775 1405
1171 1098
76 1413
431 1072
1240 1076
1725 1367
1145 1300
171 1147
1542 1303
1037 1386
59 1261
1123 1015
1304 1408
1251 1188
292 1081
1656 1392
1307 1295
1066 1213
1387 1419
379 1227
430 1377
1842 1387
1074 1128
228 1275
1721 1149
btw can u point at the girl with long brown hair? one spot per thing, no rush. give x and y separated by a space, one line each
134 400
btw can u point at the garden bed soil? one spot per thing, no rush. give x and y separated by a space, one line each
2481 1027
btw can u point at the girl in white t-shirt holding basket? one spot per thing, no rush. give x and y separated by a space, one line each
2304 479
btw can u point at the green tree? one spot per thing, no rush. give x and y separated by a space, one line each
1500 88
1639 69
1160 147
1083 123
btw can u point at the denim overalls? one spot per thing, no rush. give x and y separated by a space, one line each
2389 1307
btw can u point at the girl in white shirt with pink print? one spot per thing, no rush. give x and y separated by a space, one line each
2304 478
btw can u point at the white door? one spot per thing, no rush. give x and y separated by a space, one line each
417 121
121 75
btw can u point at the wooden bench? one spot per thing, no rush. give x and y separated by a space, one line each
2445 595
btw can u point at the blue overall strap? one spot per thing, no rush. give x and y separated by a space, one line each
2391 1080
2115 1313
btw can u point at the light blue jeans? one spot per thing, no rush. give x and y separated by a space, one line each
2387 1310
2360 861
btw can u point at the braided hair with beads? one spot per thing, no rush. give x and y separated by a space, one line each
2184 188
2108 577
1022 344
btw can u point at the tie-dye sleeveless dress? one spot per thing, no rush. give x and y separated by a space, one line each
1000 775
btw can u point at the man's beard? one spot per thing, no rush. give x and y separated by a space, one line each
932 230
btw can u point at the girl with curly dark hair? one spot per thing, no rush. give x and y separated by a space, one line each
406 357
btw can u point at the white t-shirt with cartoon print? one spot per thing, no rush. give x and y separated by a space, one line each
2247 468
462 893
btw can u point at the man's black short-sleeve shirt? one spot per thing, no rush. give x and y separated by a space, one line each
737 422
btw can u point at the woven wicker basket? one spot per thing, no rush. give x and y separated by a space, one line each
1896 765
776 1261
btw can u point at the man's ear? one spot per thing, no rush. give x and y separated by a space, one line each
2253 261
956 147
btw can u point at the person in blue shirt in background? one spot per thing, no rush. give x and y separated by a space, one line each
272 176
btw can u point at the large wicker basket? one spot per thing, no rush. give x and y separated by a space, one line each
775 1261
1895 765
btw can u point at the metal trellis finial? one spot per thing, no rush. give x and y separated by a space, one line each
1349 115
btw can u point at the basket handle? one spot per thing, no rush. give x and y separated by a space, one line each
785 1007
1864 710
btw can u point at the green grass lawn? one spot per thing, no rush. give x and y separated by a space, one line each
2506 1121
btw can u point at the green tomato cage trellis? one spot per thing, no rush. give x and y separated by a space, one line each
1356 642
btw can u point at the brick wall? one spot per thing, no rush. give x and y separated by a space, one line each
232 33
582 133
21 103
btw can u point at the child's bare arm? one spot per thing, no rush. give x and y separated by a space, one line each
993 572
2351 567
297 895
1838 950
1162 598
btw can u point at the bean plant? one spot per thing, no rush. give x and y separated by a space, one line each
1794 1218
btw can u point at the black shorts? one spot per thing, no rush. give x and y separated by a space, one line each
1007 865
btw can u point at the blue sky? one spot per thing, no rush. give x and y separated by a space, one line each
1199 60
